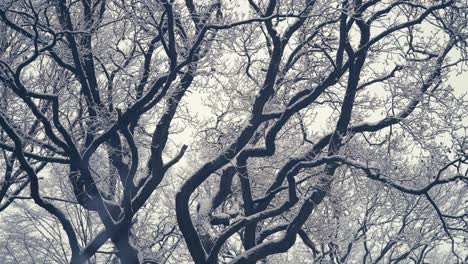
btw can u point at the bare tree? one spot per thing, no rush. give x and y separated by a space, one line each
332 121
326 58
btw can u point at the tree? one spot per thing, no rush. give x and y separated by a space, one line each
331 121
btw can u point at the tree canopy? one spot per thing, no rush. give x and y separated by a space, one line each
224 131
